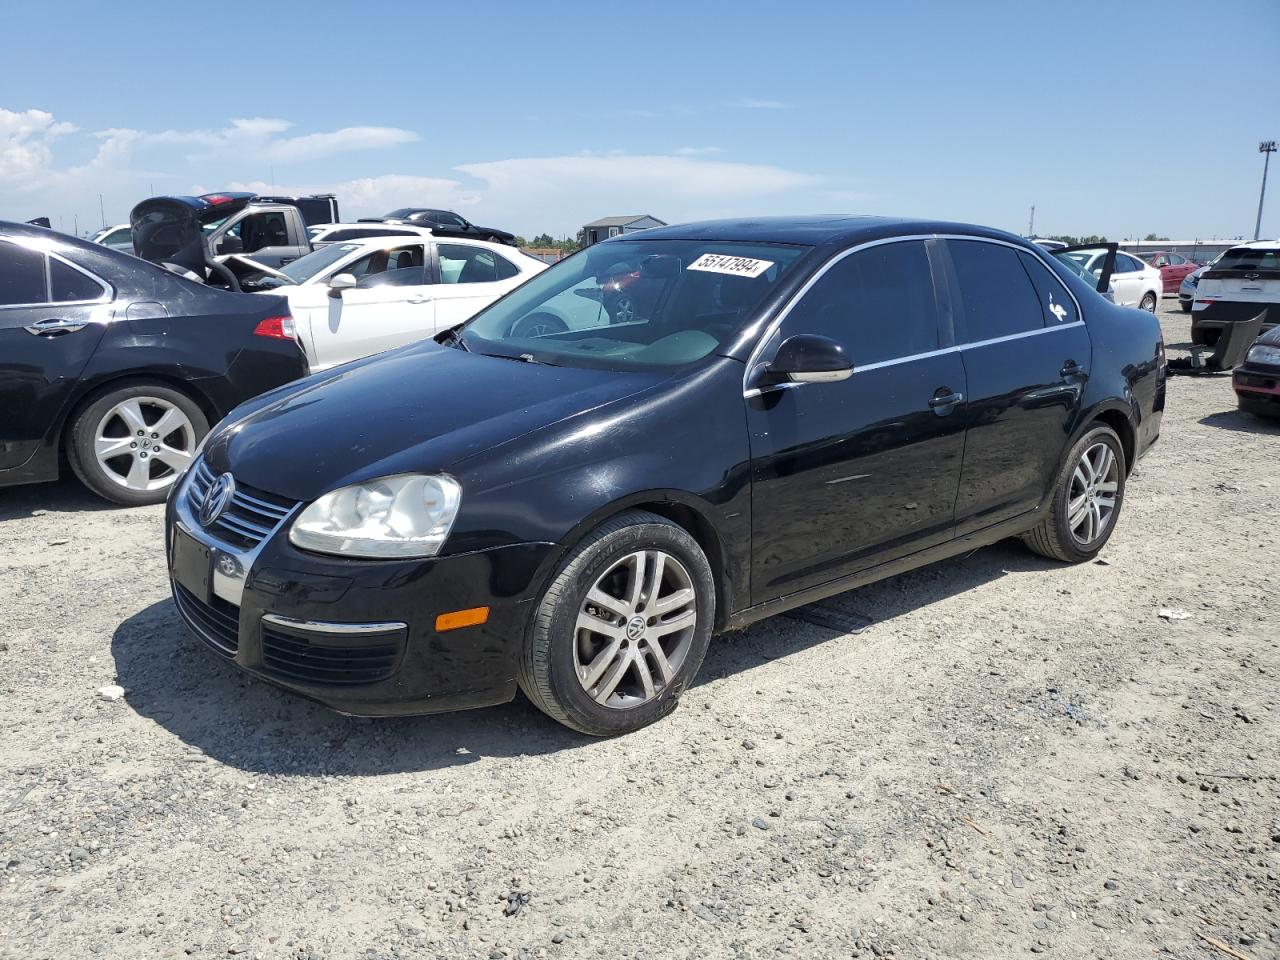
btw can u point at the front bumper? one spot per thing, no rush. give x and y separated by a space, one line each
356 635
1257 383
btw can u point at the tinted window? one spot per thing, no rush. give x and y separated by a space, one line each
67 284
380 261
262 230
878 302
445 217
1177 260
21 275
1127 264
506 269
360 234
459 264
1246 258
1055 303
397 277
999 299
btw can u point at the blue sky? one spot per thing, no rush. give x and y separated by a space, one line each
1119 119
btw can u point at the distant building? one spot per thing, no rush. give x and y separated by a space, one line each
607 227
1201 251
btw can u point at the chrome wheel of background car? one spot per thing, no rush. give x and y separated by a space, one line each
1149 303
143 443
634 629
624 311
1091 500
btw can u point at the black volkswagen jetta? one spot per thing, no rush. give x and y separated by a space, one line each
553 499
119 367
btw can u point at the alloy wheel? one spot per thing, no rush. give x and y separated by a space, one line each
624 311
1149 303
144 443
1091 500
634 629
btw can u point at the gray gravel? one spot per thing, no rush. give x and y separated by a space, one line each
1015 757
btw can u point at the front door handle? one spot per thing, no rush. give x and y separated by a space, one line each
944 401
55 326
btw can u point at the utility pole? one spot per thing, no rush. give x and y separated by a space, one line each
102 211
1031 227
1266 148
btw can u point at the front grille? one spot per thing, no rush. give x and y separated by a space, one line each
217 623
250 517
336 660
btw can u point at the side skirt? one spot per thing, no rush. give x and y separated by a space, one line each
978 538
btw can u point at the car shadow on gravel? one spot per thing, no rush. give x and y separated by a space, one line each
67 495
1241 422
219 712
172 678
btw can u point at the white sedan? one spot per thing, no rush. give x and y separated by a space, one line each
1133 283
352 300
326 233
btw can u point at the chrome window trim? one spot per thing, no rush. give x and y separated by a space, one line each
785 310
107 295
327 626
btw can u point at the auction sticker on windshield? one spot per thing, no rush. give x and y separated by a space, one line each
734 266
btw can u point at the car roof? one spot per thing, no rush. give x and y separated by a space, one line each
1258 245
831 230
408 228
11 229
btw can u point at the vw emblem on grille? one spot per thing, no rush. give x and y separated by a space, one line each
216 498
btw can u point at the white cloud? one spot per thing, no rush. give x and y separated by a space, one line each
697 151
26 142
753 103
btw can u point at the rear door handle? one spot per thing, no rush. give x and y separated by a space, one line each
1072 370
55 326
419 299
944 403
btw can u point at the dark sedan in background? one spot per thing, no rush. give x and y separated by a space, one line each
119 367
1257 380
443 223
807 405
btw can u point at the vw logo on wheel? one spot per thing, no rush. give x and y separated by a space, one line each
216 498
635 628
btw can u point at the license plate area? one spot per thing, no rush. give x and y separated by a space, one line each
192 564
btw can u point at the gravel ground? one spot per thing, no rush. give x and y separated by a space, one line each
1015 757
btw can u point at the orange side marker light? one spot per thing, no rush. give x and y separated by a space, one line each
457 619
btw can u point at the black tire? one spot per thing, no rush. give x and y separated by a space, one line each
1148 303
1205 336
1053 538
538 325
548 674
81 431
1263 409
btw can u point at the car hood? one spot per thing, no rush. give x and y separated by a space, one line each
420 409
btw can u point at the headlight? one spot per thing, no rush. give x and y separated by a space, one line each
402 516
1261 353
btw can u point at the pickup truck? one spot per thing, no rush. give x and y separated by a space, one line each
194 232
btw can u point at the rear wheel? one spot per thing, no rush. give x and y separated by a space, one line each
1148 302
133 441
1205 336
621 630
1086 499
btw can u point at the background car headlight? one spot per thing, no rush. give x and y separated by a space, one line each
403 516
1261 353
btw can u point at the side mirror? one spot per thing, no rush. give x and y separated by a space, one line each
805 358
230 245
339 282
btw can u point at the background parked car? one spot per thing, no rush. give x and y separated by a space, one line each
326 234
1173 267
354 299
1187 288
445 223
119 237
120 365
1257 380
1240 284
1133 283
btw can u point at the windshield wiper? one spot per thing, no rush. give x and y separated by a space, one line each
453 338
520 358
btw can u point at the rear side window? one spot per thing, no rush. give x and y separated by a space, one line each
1127 264
463 264
998 297
21 275
68 285
878 302
1056 305
506 269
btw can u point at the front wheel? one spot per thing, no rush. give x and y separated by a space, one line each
1148 303
1086 500
621 630
133 441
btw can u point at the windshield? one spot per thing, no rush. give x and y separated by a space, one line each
308 266
628 305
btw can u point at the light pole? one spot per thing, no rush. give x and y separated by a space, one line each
1266 148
